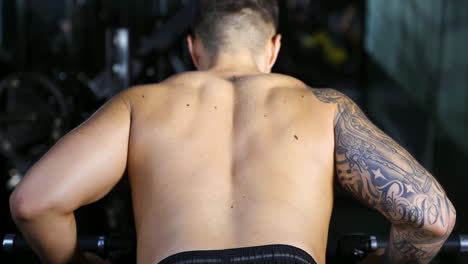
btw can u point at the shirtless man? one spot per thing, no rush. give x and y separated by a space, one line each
232 157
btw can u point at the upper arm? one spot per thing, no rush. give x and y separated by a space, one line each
380 173
84 165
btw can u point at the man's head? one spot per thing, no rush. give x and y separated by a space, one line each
235 27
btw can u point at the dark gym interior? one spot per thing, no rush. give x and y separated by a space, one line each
404 62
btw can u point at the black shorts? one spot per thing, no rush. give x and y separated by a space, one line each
271 254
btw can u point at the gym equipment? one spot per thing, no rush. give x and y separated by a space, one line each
355 246
34 115
358 246
116 249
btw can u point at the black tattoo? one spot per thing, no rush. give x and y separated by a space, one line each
381 174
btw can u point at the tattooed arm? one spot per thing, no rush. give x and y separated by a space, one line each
384 176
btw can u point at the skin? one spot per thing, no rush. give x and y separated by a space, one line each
229 156
384 176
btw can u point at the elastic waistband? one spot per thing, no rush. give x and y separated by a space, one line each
271 254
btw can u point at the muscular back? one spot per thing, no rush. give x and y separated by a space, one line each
217 163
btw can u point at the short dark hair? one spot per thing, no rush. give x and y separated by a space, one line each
214 20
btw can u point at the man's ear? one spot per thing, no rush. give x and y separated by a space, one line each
275 48
193 51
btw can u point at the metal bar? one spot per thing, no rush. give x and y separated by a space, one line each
103 244
463 243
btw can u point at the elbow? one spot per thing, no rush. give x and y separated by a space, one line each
452 220
21 208
443 229
25 208
432 226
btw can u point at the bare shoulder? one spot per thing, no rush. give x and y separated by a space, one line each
182 82
285 80
342 103
134 94
186 78
331 96
324 95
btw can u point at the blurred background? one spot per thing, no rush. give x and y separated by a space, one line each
404 62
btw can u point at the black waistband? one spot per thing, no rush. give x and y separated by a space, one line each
271 254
